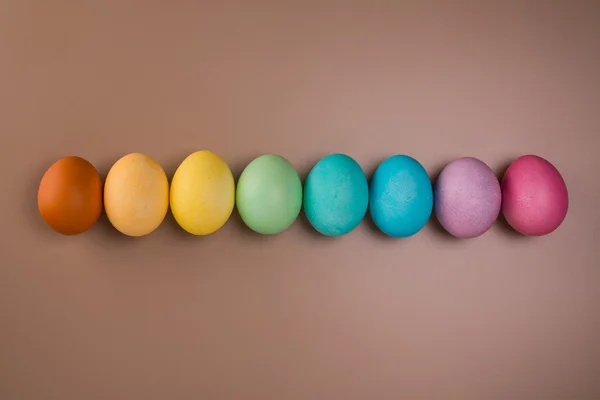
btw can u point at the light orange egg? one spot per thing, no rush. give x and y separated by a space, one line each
70 195
136 194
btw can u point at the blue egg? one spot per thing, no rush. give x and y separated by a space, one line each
336 195
401 198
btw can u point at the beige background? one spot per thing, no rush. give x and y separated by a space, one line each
298 316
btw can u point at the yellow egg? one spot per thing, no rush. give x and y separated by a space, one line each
202 193
136 194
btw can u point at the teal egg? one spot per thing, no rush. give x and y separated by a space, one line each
401 196
269 194
336 195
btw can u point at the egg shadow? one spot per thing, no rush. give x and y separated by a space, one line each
434 223
503 226
173 228
303 172
171 165
501 223
311 232
374 231
371 166
29 202
240 227
372 228
105 164
237 167
106 235
305 167
245 232
501 170
435 226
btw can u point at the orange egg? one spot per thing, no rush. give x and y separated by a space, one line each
70 196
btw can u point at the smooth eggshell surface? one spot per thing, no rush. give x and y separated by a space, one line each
534 196
136 195
70 196
401 196
269 194
467 198
202 193
336 195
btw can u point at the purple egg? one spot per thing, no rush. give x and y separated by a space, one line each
467 198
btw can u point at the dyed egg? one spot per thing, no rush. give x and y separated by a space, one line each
202 193
534 196
336 195
467 198
70 196
401 196
136 195
269 194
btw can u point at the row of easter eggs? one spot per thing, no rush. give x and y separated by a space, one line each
467 197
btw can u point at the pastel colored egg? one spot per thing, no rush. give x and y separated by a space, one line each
70 196
269 194
336 195
467 197
136 195
535 199
401 196
202 193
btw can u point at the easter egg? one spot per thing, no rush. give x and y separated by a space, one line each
534 196
202 193
269 194
136 195
336 195
401 196
467 198
70 196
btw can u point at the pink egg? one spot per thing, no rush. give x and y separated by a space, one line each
467 198
534 196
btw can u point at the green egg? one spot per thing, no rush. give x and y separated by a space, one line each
269 194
